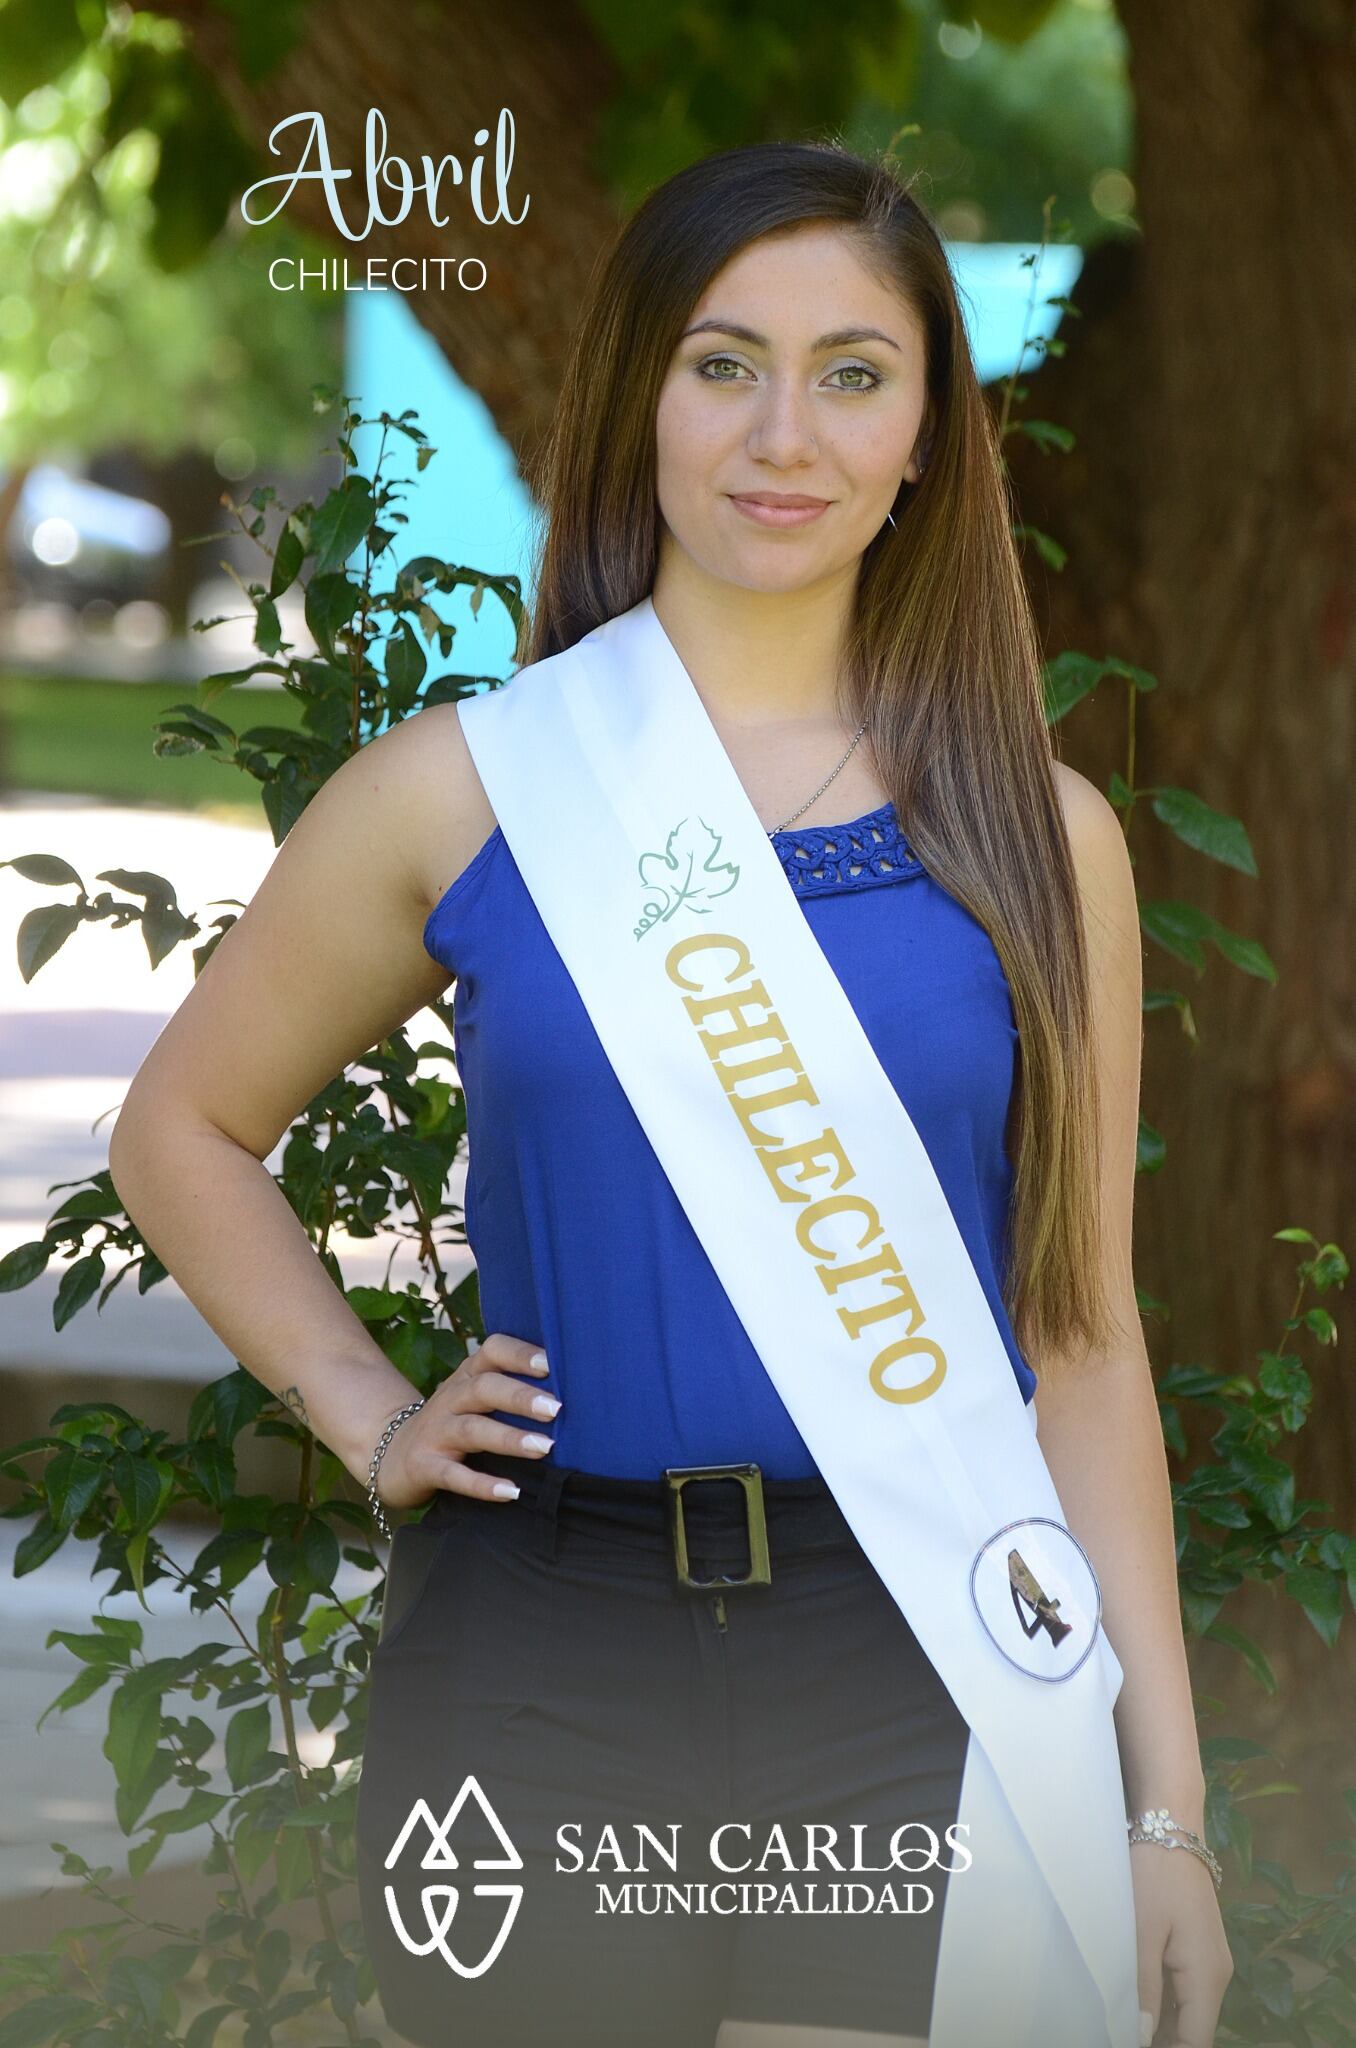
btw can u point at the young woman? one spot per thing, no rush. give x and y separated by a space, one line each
771 445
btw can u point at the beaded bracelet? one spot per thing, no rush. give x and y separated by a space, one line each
1157 1825
392 1426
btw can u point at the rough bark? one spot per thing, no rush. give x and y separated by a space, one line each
1210 510
1211 513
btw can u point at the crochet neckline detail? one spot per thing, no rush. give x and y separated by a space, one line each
852 855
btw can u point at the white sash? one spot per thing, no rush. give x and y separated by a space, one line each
666 901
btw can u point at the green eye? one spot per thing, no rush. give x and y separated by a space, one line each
710 365
709 361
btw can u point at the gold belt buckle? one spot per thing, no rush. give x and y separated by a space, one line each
750 1478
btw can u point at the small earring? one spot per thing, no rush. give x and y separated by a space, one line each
891 517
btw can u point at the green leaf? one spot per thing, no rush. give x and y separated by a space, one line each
1171 999
39 41
1069 677
44 2018
100 1649
1051 553
1150 1150
288 557
1320 1594
138 1487
203 2030
25 1263
1285 1380
340 523
406 664
331 602
204 162
317 1556
40 1543
133 1978
79 1281
1180 928
252 1845
226 1405
1205 829
47 868
133 1732
292 1862
1269 1481
73 1480
1046 435
82 1687
1255 1659
136 1563
320 1624
1245 953
43 932
271 1959
247 1738
194 1813
1330 1268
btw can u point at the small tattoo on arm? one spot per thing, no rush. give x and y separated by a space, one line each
291 1398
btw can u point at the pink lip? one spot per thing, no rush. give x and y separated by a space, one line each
770 508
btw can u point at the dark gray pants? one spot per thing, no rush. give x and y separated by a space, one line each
545 1649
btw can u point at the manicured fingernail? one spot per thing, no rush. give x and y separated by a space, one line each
537 1362
504 1489
545 1404
537 1443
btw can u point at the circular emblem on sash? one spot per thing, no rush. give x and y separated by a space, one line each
1037 1595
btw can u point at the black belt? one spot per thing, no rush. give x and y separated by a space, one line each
801 1513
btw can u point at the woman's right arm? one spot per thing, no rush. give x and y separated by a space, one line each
325 961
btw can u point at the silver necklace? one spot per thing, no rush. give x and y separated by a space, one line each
823 785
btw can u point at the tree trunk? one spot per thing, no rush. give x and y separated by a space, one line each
1210 513
1210 510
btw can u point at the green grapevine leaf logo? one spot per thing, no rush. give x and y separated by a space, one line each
689 871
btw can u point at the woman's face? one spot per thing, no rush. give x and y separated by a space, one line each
806 383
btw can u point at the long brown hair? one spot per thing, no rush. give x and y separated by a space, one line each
941 652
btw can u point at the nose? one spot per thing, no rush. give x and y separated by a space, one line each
783 431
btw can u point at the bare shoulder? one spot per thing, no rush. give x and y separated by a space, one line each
1101 861
1087 814
433 789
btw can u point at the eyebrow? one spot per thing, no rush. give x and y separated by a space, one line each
840 337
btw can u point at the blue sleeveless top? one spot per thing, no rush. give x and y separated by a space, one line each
580 1243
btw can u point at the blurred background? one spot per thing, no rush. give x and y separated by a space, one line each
1180 178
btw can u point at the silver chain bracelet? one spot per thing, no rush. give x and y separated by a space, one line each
1157 1825
392 1426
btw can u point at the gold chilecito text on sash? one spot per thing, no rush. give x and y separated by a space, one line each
747 1020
